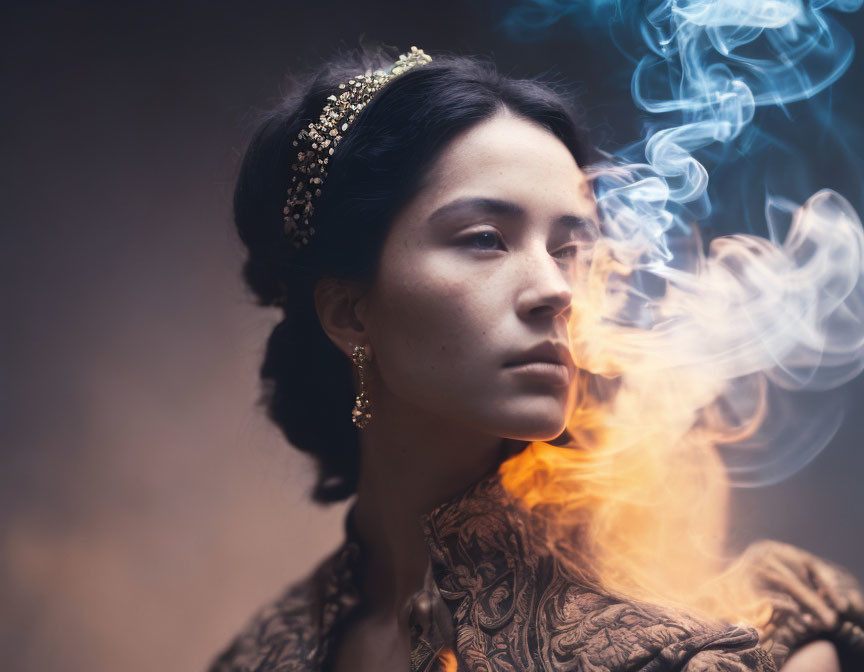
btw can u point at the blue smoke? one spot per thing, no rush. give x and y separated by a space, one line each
733 90
706 70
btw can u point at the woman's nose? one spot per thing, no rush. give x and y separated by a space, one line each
546 291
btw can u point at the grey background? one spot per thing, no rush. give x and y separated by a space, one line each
146 506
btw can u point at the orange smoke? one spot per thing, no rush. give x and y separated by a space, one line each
637 502
447 660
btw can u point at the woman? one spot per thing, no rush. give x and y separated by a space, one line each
435 210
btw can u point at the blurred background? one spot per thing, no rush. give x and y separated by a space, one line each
146 505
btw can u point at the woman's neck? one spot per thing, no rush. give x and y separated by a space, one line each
410 463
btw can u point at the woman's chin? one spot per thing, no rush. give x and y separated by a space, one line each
536 419
536 428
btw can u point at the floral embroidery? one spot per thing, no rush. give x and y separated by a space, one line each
504 605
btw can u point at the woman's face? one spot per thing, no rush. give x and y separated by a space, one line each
475 273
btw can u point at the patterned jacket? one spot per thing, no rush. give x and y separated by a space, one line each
504 605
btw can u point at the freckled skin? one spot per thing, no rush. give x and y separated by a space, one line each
443 315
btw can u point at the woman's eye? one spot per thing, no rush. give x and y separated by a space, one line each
485 240
567 252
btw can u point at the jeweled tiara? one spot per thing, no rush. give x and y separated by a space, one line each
318 141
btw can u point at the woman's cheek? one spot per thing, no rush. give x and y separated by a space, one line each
405 335
429 357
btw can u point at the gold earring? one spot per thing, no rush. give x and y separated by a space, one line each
361 414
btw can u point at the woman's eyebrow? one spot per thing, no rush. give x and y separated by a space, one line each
577 222
477 205
508 209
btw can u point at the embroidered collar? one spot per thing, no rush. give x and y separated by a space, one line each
507 604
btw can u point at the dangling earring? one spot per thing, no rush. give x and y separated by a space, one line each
361 414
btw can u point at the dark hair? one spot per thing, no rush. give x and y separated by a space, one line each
307 385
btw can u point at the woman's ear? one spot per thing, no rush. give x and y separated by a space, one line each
336 302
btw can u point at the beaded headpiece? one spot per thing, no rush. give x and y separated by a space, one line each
318 141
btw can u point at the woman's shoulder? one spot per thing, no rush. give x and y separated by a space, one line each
809 598
610 632
286 632
283 623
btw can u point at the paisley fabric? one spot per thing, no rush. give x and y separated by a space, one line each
503 604
296 631
811 599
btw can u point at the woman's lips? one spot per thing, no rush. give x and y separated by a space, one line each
547 372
